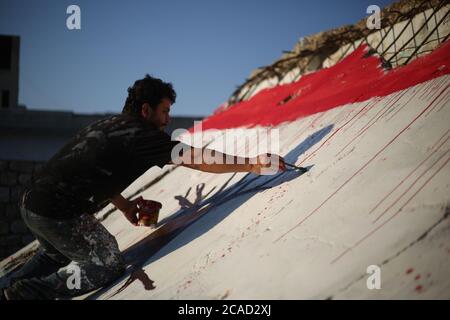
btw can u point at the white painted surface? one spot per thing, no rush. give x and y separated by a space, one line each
287 241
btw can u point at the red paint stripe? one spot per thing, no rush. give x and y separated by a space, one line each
409 188
359 170
440 139
339 118
367 127
355 79
437 85
358 116
351 140
429 111
326 140
373 117
317 119
430 91
385 110
426 89
446 103
445 99
403 106
392 217
357 135
348 115
370 105
412 171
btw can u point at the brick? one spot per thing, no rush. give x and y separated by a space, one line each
8 178
21 166
4 227
25 179
18 226
4 194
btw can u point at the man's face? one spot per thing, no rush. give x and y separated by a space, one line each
160 116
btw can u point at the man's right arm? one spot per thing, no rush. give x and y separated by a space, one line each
213 161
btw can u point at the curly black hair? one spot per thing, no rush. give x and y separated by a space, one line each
149 89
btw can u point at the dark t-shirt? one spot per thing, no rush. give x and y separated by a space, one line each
97 164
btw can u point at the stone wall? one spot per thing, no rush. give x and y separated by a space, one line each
14 177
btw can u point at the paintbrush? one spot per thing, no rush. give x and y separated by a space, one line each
301 169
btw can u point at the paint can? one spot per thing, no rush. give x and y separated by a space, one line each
148 212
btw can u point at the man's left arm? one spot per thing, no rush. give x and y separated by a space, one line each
128 208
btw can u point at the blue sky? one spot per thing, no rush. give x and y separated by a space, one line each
205 48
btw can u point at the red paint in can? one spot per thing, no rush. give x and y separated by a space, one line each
148 212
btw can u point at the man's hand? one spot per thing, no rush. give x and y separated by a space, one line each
128 208
131 211
267 163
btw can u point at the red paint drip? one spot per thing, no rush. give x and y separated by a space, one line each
411 172
358 172
356 78
392 216
419 288
410 187
417 277
410 270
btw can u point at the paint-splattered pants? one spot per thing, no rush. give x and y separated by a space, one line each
75 256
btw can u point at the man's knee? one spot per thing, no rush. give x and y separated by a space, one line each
71 281
105 273
117 268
